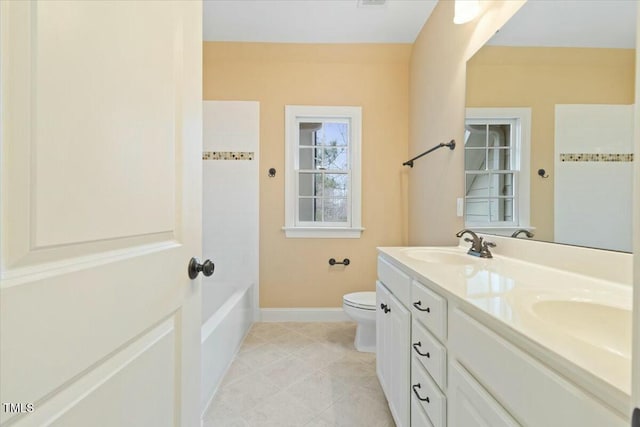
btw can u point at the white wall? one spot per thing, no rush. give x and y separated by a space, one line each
230 191
593 198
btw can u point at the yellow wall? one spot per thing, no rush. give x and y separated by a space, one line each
437 102
540 78
295 272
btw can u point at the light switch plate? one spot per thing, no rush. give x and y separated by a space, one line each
460 206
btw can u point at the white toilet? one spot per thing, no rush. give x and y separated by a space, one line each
361 307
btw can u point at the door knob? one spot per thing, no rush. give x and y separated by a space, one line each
195 267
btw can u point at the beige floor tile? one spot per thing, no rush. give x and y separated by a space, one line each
344 368
300 374
246 393
279 410
362 357
267 330
317 391
288 371
228 422
318 422
320 354
291 342
262 356
358 411
237 370
250 342
221 414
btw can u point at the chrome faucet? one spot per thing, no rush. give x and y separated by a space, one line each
526 233
479 247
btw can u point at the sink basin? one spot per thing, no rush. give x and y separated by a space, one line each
601 325
441 256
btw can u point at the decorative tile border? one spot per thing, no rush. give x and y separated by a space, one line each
227 155
596 157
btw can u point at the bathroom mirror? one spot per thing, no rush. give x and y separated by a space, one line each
549 129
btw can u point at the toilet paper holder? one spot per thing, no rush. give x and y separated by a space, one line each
345 262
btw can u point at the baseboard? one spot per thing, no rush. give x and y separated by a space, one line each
321 314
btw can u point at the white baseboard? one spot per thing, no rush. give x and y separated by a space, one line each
303 315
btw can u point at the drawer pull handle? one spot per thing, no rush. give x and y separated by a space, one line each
419 344
385 308
424 399
418 305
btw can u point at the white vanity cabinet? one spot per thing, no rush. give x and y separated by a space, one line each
393 333
444 362
533 393
470 405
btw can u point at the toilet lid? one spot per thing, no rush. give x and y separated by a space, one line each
366 300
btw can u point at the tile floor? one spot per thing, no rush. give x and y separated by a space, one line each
300 374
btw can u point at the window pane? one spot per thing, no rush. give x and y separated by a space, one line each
333 134
475 160
477 136
499 159
307 158
335 210
308 133
310 184
477 210
324 158
335 158
477 185
501 184
335 185
501 209
309 209
499 136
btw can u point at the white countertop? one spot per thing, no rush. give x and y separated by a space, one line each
565 319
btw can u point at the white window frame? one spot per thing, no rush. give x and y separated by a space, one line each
293 228
522 170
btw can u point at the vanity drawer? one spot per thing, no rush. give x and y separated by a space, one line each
429 397
418 417
395 280
430 309
430 353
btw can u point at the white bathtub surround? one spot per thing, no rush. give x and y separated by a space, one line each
593 175
300 374
576 323
222 334
230 189
230 233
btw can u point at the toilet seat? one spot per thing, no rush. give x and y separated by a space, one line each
361 300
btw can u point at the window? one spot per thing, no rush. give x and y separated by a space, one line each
322 175
496 159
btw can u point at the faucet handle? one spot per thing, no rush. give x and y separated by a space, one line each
485 252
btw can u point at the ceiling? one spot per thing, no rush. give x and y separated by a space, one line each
567 23
315 21
571 23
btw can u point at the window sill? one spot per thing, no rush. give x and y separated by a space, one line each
507 230
323 232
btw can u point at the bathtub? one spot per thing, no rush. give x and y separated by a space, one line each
227 315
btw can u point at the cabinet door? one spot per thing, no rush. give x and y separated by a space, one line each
382 296
470 405
399 336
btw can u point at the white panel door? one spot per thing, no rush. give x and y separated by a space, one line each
101 212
